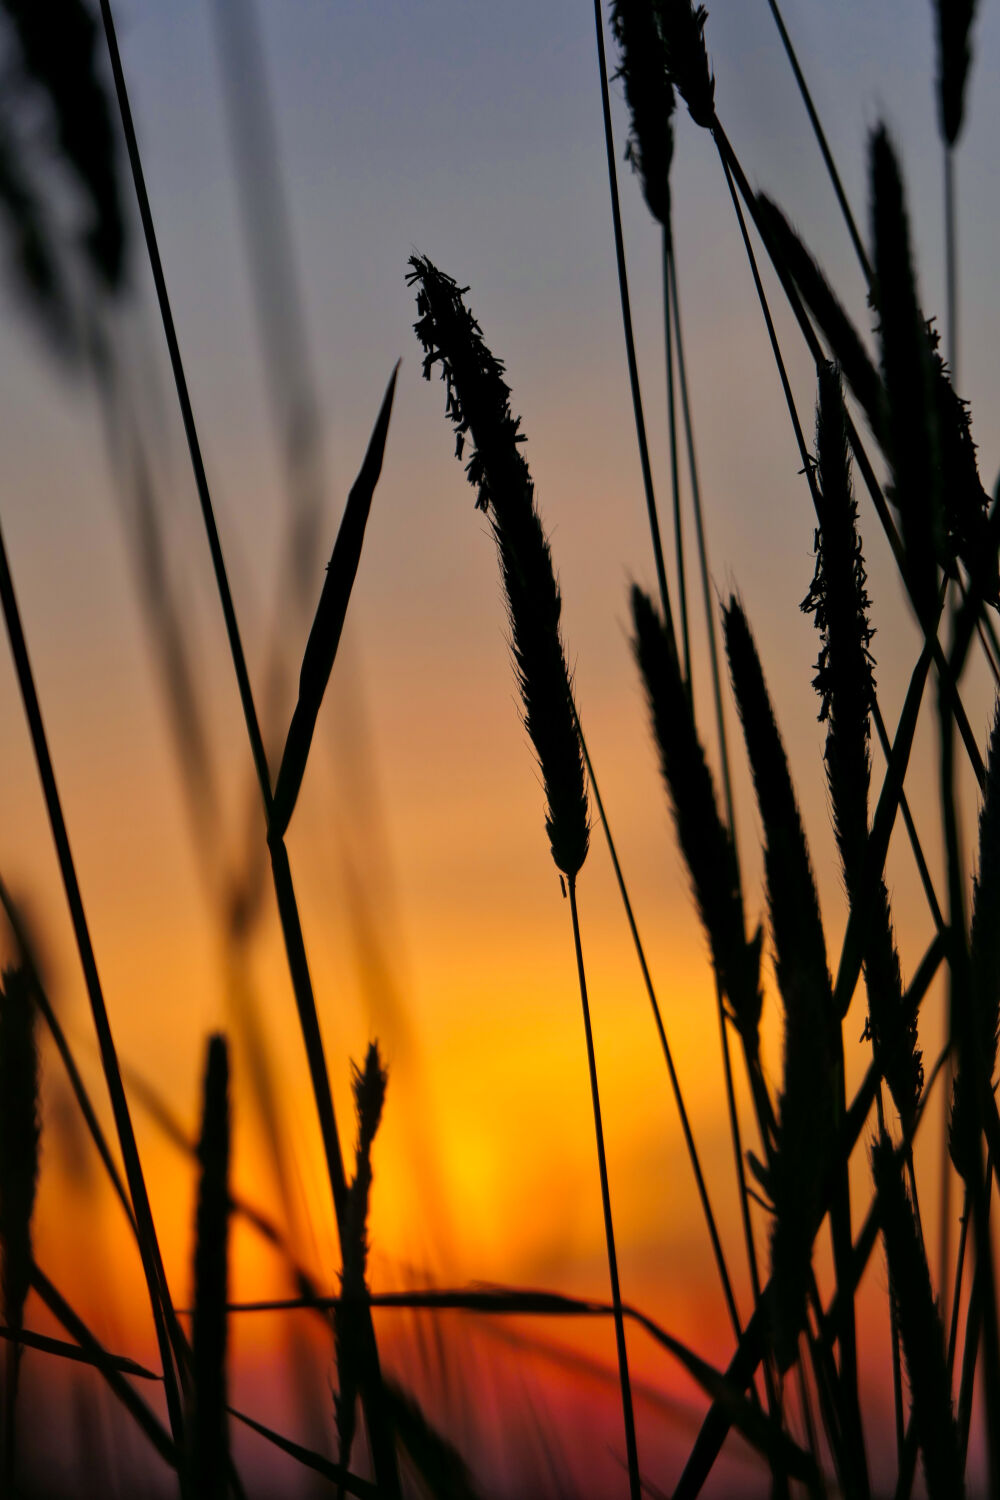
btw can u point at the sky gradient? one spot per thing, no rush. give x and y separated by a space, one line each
432 912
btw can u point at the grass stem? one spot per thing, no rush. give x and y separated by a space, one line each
632 1455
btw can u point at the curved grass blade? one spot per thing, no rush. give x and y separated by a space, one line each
705 840
807 1115
324 637
58 45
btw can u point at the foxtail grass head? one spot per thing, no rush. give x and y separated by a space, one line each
650 98
807 1115
682 26
478 402
705 841
954 25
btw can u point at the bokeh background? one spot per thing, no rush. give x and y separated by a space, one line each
433 916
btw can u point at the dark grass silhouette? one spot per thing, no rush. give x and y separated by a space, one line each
943 531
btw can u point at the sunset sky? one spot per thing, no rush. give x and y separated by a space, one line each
432 912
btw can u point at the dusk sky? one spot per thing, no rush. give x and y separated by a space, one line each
433 917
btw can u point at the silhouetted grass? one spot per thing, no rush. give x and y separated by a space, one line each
945 548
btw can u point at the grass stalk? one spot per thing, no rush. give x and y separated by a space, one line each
675 1083
382 1447
149 1249
632 1455
675 484
822 143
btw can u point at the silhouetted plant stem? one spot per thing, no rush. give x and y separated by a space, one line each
965 1030
710 612
951 259
956 1296
897 1374
862 460
675 483
149 1249
382 1448
822 142
635 1486
633 368
675 1083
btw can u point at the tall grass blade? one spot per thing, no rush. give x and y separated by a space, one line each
911 429
438 1463
920 1328
209 1426
368 1085
806 1130
324 637
703 836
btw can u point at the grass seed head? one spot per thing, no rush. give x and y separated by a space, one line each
478 402
650 98
704 839
682 26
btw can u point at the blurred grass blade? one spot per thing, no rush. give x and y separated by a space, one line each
58 45
209 1428
324 637
34 262
806 1129
954 22
439 1464
145 1419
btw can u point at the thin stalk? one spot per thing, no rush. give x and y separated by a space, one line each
945 674
961 983
149 1250
647 978
633 368
897 1374
674 472
823 144
635 1485
382 1447
951 260
673 317
956 1296
710 612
